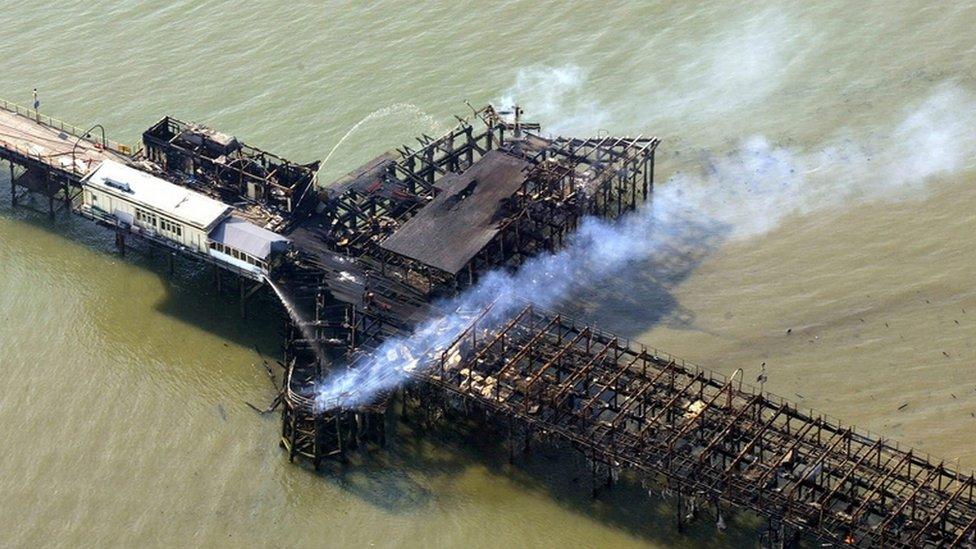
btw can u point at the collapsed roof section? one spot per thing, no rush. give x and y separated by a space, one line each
265 188
489 193
463 218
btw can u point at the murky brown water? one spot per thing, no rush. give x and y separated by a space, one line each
122 394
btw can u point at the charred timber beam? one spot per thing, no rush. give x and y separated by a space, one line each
779 456
667 407
733 421
604 388
527 392
963 533
700 414
566 387
824 501
525 350
881 529
942 509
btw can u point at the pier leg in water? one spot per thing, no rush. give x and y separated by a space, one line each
13 185
680 511
511 440
48 184
216 270
241 286
120 241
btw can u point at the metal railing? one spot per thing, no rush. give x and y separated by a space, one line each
65 127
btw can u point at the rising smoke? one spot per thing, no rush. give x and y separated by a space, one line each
746 192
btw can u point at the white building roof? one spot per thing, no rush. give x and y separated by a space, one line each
248 238
157 194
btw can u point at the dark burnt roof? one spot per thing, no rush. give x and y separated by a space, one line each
464 217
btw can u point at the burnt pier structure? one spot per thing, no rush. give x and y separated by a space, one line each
369 258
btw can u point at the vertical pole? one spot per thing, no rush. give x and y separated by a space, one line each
294 435
339 445
651 188
13 185
681 512
593 473
50 194
172 263
317 421
511 440
240 284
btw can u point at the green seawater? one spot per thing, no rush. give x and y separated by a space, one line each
123 389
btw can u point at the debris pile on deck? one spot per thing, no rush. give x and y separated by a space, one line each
368 259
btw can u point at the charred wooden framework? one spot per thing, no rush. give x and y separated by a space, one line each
705 439
48 158
708 441
698 433
234 172
563 180
333 331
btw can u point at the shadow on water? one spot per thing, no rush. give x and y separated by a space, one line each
409 475
191 295
399 479
424 464
641 296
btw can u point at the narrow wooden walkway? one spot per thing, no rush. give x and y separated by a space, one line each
37 140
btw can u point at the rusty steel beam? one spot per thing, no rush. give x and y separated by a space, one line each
693 421
938 514
567 386
879 530
840 436
824 501
878 486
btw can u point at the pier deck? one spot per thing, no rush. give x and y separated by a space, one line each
361 272
50 142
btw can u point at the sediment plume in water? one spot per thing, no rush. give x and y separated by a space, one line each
742 194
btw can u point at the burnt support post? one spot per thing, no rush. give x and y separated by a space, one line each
13 184
243 291
120 240
318 433
216 271
49 191
680 512
511 440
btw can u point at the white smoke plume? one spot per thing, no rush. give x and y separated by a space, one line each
744 193
557 95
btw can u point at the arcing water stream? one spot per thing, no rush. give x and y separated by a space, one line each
878 295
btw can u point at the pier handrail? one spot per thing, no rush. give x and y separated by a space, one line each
70 129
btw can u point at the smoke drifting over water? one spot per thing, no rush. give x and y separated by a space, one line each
557 96
744 193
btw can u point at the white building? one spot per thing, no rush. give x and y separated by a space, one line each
156 208
245 245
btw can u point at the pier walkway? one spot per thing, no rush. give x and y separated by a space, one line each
33 138
53 155
704 439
